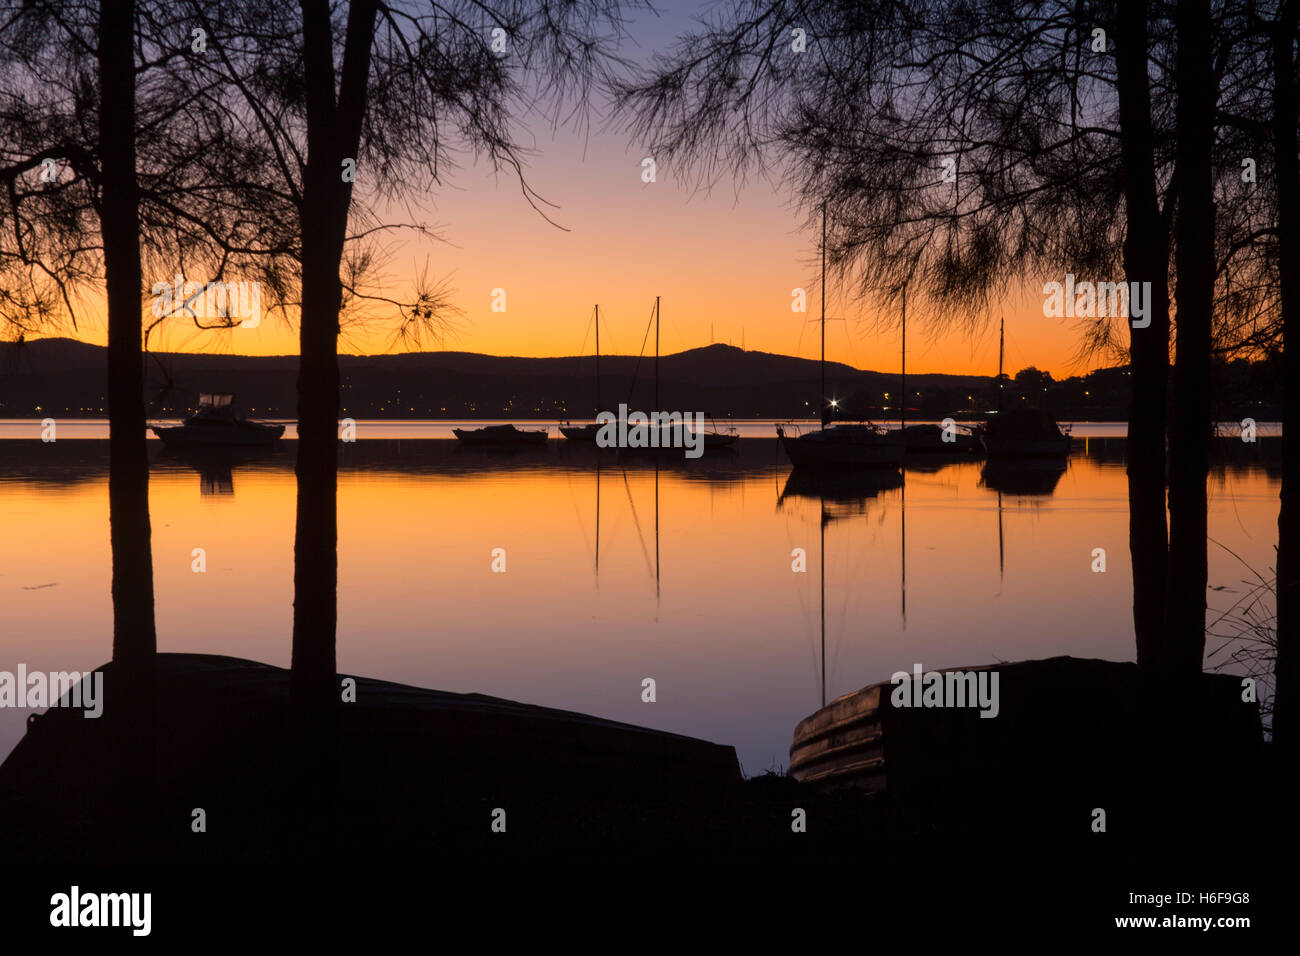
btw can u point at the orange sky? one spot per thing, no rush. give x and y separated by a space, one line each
724 269
724 263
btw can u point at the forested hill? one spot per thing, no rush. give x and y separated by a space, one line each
63 377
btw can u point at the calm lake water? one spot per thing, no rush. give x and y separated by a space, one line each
688 579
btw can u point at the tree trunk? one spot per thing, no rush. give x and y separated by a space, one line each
315 584
134 639
129 688
333 134
1184 647
1146 259
1288 225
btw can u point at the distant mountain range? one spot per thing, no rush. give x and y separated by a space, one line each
62 377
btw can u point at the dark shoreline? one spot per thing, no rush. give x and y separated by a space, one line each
422 771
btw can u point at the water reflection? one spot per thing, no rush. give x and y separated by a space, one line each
1025 477
846 491
840 494
619 568
214 465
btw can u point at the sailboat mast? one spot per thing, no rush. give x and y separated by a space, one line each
598 358
1002 559
656 531
1002 346
657 353
821 561
823 400
597 521
902 550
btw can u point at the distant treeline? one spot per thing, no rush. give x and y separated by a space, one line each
63 378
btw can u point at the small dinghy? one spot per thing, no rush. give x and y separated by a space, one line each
218 423
674 436
585 433
500 435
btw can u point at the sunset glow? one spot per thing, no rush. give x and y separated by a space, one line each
724 264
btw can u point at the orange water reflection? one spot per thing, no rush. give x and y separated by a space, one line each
709 607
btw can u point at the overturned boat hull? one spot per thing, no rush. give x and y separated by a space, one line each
1062 717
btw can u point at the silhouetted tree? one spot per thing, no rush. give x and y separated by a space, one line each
1033 380
110 161
382 94
72 118
1146 260
100 43
1184 645
964 147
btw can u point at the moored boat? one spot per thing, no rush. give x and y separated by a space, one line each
671 436
586 432
922 439
1025 433
716 439
500 435
217 423
928 439
841 446
1021 432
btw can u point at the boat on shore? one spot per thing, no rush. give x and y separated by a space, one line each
885 738
500 435
218 424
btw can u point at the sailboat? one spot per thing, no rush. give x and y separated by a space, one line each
588 432
928 439
1022 432
670 436
712 439
842 445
